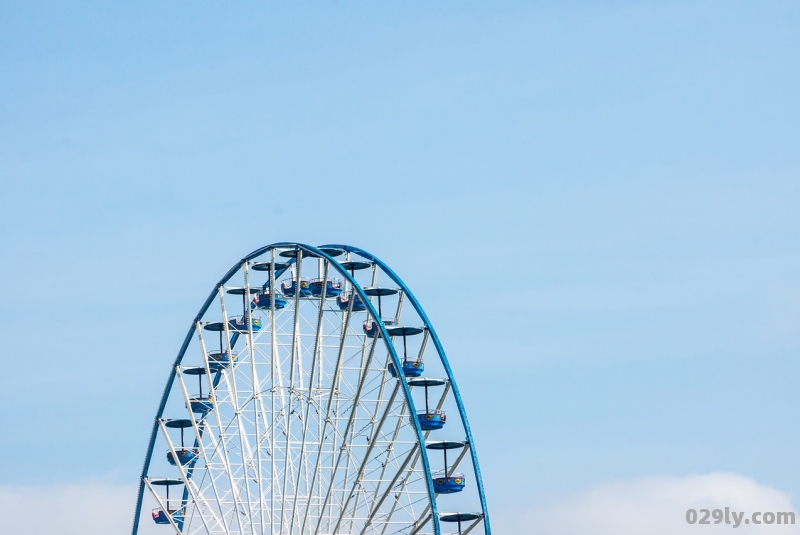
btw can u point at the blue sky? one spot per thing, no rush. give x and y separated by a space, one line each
597 204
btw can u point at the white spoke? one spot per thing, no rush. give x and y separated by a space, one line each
257 400
294 361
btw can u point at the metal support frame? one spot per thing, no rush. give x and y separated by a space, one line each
295 341
258 402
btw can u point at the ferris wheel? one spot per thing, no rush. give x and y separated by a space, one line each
311 396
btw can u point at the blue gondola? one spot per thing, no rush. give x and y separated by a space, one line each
448 484
160 517
444 481
352 267
221 358
411 368
371 327
344 303
185 456
239 323
262 300
235 324
431 420
201 404
332 289
290 286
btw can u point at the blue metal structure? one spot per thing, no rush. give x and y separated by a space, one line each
263 300
289 288
344 303
226 485
333 288
371 327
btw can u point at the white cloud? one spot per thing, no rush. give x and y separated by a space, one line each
88 509
651 506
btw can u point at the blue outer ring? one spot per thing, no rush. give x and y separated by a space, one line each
384 335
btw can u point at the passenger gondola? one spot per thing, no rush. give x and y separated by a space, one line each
199 404
184 455
411 368
221 358
333 288
235 324
371 327
343 302
429 419
160 516
445 481
263 299
289 287
239 323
